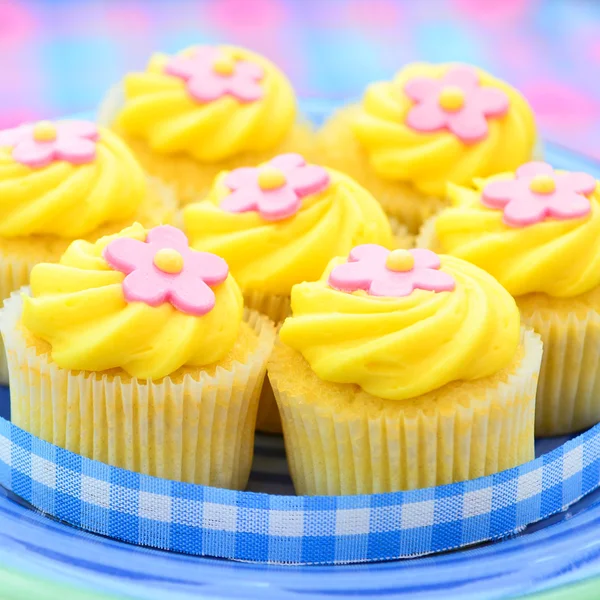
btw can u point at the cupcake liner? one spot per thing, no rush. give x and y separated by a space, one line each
191 179
568 398
357 448
277 308
197 429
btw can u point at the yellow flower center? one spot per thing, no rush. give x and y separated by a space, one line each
224 65
542 184
168 260
44 131
270 178
451 98
400 260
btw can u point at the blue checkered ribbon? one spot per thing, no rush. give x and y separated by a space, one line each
290 529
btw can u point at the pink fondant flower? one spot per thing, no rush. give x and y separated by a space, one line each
538 192
456 102
165 269
210 74
381 272
276 189
38 145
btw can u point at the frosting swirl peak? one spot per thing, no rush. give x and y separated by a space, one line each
80 308
404 346
477 126
177 109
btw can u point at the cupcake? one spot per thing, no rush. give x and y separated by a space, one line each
280 224
136 351
402 370
62 181
430 125
538 232
189 116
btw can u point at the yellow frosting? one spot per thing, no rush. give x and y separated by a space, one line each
78 307
399 348
70 200
271 256
428 160
558 257
159 109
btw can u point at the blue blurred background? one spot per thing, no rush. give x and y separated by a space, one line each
59 56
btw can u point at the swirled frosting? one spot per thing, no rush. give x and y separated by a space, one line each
159 109
70 200
428 160
271 256
79 308
401 347
559 257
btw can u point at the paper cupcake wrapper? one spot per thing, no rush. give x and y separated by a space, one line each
568 398
191 179
197 430
334 452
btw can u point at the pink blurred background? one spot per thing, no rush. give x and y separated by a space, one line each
59 56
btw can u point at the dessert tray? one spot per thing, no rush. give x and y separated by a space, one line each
74 528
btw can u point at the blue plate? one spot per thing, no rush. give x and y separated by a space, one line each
560 550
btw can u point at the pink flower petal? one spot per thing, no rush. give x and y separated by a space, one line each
126 254
427 117
242 200
569 206
490 101
518 213
468 125
581 183
146 285
167 236
241 177
462 76
433 280
350 276
191 295
420 89
308 180
369 252
287 162
34 154
11 137
180 66
425 259
245 91
77 151
211 268
278 204
78 129
533 168
497 193
208 87
249 70
398 285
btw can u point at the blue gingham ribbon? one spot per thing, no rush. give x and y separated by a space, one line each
288 529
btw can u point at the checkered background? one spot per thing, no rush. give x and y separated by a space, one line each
57 57
287 529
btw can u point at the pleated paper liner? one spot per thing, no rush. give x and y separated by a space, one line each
192 428
367 445
568 397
